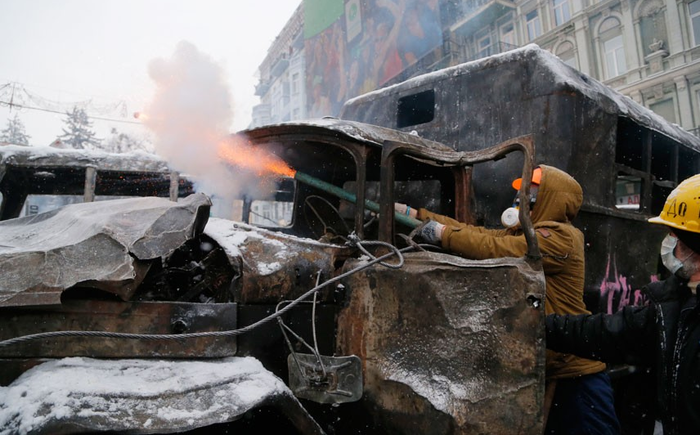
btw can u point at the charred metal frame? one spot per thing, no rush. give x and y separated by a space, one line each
392 149
17 166
397 144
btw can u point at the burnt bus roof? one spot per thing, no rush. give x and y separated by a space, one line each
577 123
615 148
32 156
540 73
372 135
51 171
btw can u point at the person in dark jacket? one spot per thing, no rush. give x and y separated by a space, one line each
583 397
663 335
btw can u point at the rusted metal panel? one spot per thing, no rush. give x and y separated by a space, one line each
127 317
272 266
449 345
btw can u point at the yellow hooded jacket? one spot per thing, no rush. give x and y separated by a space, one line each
558 200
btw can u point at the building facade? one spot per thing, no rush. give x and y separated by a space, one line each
645 49
281 84
648 50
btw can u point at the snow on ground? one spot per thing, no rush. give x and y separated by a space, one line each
134 394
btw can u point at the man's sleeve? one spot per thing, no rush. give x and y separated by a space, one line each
424 214
624 337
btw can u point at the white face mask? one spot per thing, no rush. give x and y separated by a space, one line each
684 268
510 218
668 245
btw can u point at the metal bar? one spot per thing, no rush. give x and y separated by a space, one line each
90 180
347 196
646 190
174 185
386 192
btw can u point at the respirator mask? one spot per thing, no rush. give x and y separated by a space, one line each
511 216
668 245
681 268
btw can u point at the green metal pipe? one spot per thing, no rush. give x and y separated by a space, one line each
350 197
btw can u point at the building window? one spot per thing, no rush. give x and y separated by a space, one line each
694 9
483 45
534 28
614 57
666 109
566 53
627 191
295 84
562 11
508 36
613 48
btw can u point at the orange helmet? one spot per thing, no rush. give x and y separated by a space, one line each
536 178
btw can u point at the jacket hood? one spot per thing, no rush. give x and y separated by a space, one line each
559 197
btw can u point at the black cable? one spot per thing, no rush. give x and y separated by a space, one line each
11 105
229 333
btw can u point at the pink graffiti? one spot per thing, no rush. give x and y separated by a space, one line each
615 285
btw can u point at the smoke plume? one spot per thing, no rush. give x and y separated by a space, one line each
190 115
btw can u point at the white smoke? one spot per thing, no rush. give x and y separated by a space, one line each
190 115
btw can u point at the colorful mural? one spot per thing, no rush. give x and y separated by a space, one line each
369 43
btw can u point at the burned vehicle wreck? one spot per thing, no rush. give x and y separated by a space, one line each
332 320
306 313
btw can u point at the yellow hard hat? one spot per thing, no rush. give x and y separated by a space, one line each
682 208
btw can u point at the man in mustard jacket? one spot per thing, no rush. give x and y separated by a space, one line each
583 398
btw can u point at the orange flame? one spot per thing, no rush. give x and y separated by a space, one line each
243 155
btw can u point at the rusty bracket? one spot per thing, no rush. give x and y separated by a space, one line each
336 380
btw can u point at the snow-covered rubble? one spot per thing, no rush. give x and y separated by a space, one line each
46 253
139 396
233 237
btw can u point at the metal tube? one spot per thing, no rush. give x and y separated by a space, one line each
90 182
174 185
347 196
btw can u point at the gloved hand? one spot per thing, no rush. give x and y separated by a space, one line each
432 232
405 210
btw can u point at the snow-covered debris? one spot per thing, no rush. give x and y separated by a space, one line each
139 396
267 251
97 242
46 156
